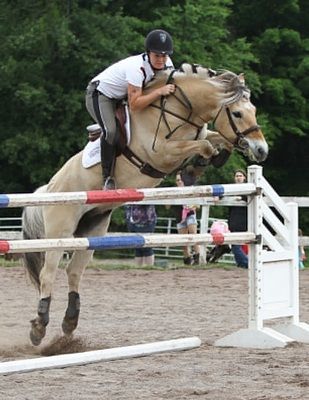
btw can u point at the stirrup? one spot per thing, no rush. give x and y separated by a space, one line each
109 184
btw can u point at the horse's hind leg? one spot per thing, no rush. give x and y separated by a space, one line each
75 270
94 223
47 277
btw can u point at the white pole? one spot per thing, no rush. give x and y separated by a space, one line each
255 222
124 241
118 353
204 229
122 195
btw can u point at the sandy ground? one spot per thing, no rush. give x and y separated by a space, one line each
121 308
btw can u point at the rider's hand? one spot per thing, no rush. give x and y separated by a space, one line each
167 89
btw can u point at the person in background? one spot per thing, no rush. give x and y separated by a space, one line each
238 222
301 252
186 220
142 219
126 79
218 227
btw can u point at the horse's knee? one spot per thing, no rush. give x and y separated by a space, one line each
208 150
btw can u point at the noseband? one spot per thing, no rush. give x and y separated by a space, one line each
239 142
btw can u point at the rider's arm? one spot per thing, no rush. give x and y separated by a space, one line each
138 101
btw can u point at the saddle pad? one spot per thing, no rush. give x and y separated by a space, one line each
92 151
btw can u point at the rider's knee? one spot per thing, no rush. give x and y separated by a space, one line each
112 137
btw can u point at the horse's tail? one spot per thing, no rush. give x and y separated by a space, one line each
33 228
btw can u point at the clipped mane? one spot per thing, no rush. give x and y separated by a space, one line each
230 87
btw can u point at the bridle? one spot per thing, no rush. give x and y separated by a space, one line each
239 143
147 169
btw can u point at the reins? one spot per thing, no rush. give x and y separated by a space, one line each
184 101
146 168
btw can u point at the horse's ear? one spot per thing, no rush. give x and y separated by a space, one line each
241 78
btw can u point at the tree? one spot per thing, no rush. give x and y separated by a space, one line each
280 42
49 51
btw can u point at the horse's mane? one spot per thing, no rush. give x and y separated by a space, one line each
230 86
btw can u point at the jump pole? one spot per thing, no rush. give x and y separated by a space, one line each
122 242
122 195
118 353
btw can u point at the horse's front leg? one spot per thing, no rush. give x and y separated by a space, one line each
176 149
75 271
217 140
222 145
47 277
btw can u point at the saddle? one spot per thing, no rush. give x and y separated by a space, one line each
121 119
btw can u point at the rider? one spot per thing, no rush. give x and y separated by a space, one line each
126 79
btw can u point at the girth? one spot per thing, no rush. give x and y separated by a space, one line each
144 167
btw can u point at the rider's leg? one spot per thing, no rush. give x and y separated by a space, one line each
102 109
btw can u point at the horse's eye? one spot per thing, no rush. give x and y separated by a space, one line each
236 114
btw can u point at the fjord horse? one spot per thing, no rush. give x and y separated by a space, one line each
163 136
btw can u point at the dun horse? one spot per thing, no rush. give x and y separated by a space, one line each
163 136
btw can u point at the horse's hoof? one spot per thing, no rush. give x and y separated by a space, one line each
69 325
37 332
35 340
220 159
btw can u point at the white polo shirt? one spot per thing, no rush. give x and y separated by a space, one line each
134 70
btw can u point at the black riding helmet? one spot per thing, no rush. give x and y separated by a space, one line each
159 41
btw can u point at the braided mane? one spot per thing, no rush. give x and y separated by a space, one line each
230 87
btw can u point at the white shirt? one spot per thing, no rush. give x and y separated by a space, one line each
134 70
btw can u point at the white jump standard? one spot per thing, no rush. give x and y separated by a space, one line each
273 272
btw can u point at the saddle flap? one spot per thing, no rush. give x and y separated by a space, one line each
123 125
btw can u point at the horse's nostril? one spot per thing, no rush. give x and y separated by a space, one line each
262 153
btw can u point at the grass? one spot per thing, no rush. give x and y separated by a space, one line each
114 264
127 264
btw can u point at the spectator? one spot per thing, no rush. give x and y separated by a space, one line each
186 217
218 227
142 219
301 252
237 221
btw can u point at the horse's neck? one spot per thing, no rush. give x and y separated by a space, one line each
201 95
155 127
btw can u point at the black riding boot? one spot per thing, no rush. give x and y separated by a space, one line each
108 157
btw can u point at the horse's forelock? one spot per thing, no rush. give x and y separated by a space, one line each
232 87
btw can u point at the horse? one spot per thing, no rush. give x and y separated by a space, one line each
164 135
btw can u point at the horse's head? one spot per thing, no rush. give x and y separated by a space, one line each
235 118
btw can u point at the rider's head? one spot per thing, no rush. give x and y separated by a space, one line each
158 45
